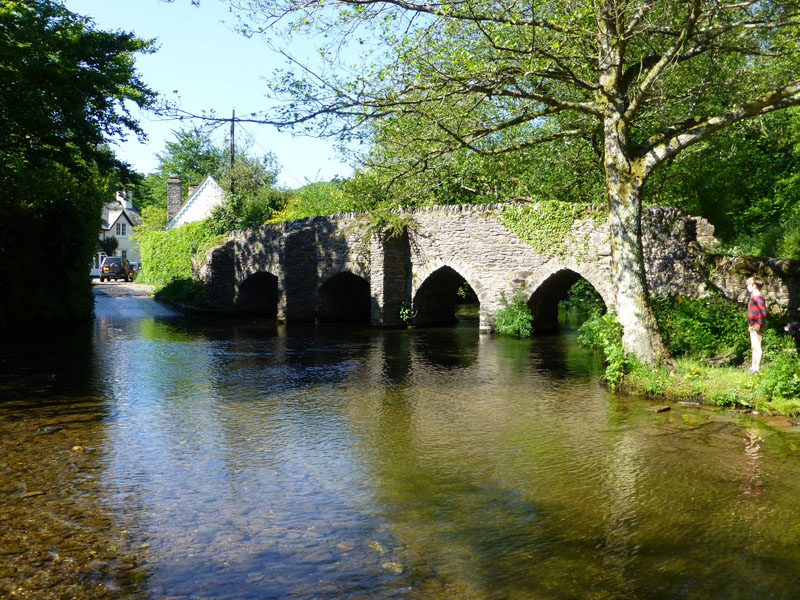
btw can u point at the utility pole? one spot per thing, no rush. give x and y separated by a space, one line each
233 146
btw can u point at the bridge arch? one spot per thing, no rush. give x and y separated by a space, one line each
344 297
258 294
552 286
435 293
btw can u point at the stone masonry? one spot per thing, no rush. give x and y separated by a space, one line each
320 265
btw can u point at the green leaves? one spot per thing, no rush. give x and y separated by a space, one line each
603 332
64 91
64 84
167 255
547 226
702 327
515 318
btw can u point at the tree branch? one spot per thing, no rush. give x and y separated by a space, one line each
672 141
663 61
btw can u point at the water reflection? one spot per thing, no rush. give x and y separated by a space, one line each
752 484
221 460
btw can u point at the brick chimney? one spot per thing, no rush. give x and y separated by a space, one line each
174 200
192 189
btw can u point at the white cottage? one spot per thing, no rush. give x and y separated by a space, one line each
119 219
201 201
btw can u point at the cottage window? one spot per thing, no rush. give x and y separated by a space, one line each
122 229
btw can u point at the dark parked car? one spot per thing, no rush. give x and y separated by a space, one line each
115 267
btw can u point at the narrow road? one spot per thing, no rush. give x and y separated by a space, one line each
119 299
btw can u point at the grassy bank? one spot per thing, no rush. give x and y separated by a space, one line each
693 379
702 334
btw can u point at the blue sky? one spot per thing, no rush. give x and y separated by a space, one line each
212 68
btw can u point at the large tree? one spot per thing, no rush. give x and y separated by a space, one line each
64 93
641 79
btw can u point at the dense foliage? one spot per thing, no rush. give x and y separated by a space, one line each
241 210
582 297
781 377
602 331
746 182
64 89
167 255
190 157
703 327
696 330
514 319
446 93
316 199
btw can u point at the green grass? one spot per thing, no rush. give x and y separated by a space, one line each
696 380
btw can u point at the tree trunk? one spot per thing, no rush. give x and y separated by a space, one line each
640 334
625 176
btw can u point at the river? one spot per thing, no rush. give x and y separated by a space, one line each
159 457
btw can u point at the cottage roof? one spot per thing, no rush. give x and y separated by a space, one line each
113 211
209 184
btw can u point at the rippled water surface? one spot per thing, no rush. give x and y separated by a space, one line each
150 458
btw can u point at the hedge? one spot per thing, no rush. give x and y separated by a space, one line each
167 255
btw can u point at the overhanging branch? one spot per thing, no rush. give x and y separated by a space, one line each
679 137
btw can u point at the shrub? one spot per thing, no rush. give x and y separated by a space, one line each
315 199
702 327
603 332
583 297
780 377
514 319
240 211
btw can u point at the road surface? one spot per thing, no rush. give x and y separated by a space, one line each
119 299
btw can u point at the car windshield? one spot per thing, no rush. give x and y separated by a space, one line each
112 260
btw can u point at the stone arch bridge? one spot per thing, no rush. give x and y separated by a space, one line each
327 269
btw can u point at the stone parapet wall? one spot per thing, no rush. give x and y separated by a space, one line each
781 280
217 270
674 256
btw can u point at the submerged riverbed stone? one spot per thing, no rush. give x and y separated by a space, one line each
378 547
48 429
392 567
345 546
319 557
658 409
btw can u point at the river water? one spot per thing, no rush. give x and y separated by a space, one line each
146 457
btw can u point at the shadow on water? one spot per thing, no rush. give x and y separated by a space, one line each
620 504
448 347
45 363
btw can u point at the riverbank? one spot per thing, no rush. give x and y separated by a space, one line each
770 391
